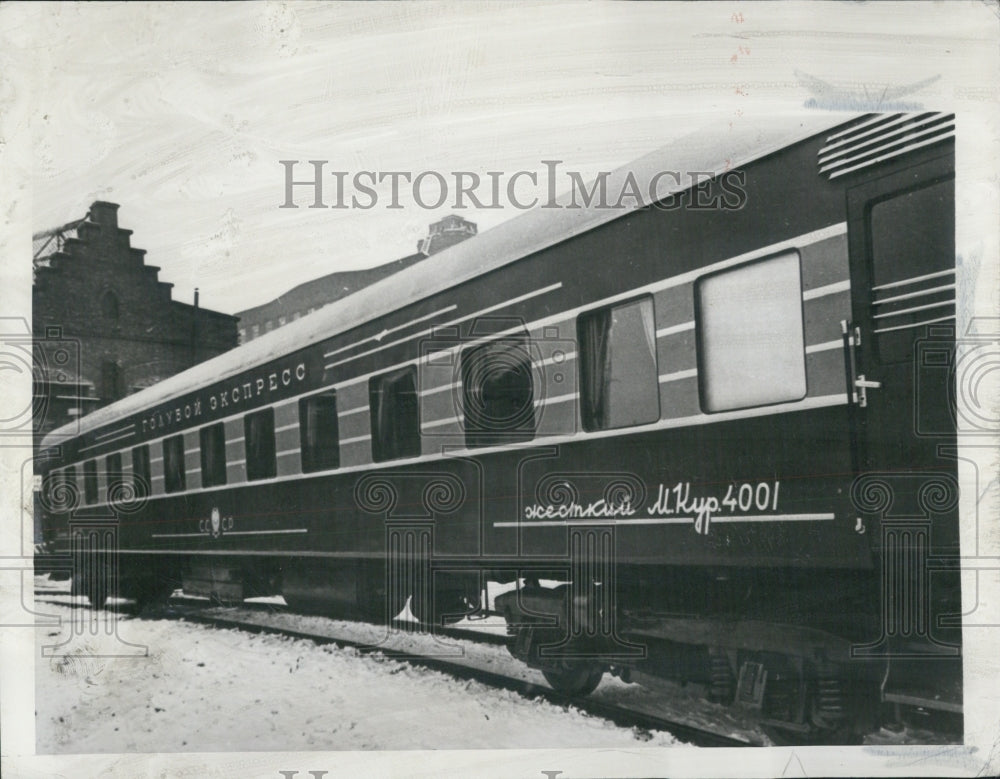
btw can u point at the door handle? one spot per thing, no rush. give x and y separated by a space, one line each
858 385
863 385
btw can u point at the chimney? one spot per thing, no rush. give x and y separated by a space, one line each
104 213
447 232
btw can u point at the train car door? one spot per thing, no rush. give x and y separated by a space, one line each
901 230
902 236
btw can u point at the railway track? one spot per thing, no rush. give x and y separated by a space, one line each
394 641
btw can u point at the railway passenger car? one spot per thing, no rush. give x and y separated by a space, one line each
701 433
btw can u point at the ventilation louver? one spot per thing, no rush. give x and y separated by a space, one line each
882 137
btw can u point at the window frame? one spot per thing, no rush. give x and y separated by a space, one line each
479 433
587 418
215 435
112 470
700 335
311 461
261 464
171 484
380 451
142 475
90 484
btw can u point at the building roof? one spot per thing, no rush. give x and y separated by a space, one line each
325 289
715 149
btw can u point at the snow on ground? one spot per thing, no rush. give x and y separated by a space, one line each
673 701
204 689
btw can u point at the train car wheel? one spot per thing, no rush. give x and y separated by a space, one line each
576 678
834 713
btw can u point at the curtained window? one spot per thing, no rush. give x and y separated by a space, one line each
319 432
498 394
619 384
174 475
113 469
394 415
258 430
213 455
751 346
140 470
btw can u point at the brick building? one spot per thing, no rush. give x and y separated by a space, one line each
105 326
307 297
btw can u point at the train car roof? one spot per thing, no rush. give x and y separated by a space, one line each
713 149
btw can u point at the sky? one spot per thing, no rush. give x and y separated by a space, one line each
182 113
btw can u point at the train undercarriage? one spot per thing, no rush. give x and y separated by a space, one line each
786 661
799 681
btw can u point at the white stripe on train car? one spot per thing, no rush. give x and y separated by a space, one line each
828 289
674 329
104 443
677 375
825 346
397 328
282 531
109 433
667 520
440 326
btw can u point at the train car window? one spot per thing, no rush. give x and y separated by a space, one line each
498 396
141 477
258 429
318 432
174 475
113 469
394 415
619 384
90 481
213 454
751 344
